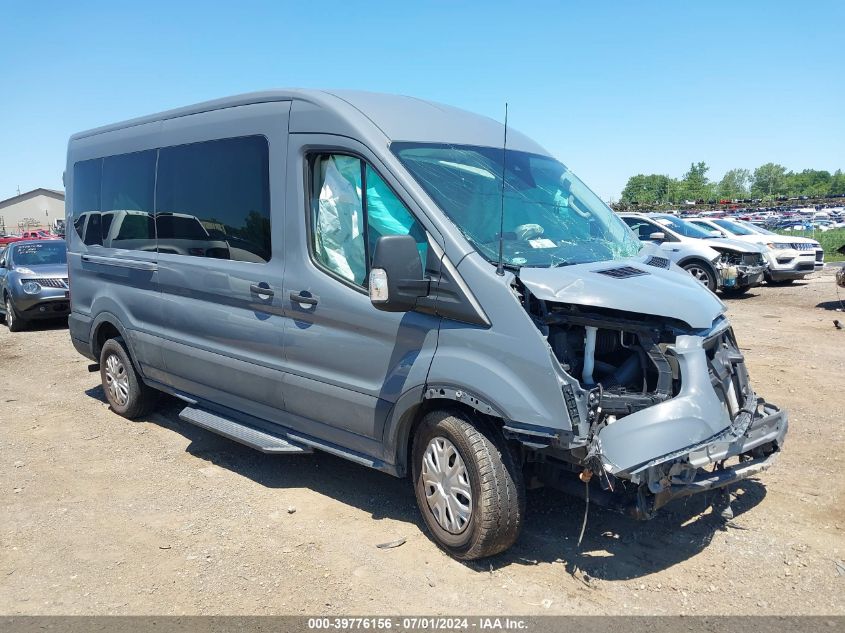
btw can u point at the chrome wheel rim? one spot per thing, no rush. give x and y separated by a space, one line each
446 485
117 380
700 274
9 314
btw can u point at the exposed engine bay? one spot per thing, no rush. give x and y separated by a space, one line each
664 400
624 357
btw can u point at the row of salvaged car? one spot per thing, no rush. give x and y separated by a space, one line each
35 234
724 254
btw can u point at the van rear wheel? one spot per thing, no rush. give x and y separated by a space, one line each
468 486
126 392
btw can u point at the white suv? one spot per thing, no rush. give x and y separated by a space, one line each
737 267
789 258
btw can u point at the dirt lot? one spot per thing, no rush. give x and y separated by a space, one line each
100 515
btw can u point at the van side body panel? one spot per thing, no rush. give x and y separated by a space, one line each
221 336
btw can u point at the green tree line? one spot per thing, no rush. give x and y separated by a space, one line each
767 182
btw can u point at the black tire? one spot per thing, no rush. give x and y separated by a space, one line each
497 506
129 397
13 320
736 291
703 272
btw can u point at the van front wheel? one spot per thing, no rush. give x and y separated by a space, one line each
126 392
468 486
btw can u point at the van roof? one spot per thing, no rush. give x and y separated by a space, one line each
397 117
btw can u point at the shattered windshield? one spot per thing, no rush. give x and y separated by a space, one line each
550 217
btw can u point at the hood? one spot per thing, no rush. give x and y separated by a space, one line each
649 290
45 270
768 239
734 244
794 240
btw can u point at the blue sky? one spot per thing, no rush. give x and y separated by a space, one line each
611 88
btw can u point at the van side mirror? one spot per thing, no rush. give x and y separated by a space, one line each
717 233
396 277
658 236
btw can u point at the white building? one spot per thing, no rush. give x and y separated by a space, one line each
35 209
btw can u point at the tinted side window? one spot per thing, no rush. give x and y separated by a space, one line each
86 197
213 199
128 188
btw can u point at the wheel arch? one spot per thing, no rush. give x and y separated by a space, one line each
414 404
697 259
104 327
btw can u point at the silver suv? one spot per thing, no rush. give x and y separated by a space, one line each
33 282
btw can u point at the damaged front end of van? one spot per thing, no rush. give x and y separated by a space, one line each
655 385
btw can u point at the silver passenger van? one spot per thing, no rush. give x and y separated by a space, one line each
382 278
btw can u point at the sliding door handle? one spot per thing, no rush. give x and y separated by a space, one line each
306 299
261 291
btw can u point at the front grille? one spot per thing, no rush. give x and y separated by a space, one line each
803 246
623 272
50 282
806 266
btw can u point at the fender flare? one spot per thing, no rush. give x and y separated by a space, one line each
698 259
702 260
107 317
405 414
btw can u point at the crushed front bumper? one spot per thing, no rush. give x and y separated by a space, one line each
683 445
746 275
756 450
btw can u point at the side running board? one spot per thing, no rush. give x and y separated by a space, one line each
252 437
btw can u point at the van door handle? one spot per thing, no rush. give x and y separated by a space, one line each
298 298
261 290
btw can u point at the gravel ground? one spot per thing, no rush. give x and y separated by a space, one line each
100 515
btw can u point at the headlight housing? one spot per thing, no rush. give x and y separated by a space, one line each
31 287
779 246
